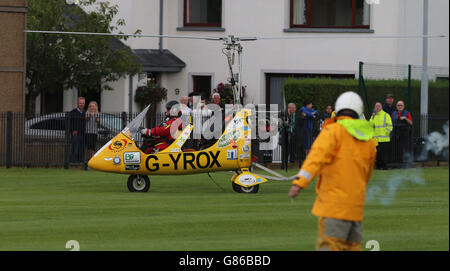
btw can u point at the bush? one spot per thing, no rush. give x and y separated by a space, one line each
325 91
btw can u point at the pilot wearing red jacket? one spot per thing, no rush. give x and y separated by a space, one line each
163 134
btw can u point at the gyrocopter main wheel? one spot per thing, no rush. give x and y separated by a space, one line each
138 183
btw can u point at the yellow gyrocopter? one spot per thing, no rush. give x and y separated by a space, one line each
231 152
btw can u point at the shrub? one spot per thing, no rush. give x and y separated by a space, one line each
325 91
150 94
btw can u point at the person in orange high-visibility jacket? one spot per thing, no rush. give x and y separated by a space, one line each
343 157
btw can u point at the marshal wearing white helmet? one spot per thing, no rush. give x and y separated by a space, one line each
350 101
343 157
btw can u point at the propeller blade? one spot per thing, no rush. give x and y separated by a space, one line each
127 35
355 37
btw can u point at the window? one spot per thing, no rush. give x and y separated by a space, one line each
152 78
206 13
330 13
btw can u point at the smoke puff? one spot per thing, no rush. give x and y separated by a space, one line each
435 142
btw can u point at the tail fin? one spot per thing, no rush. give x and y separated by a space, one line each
237 132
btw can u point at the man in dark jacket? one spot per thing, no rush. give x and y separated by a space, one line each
389 106
294 129
77 129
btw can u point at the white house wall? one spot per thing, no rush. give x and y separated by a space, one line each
70 98
268 18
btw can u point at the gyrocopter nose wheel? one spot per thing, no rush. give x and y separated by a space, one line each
242 189
138 183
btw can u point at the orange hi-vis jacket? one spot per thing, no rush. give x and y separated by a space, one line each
343 155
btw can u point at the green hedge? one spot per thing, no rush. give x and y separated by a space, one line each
324 91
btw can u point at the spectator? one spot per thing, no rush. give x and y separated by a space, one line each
200 115
328 113
92 122
388 107
216 100
402 121
77 129
191 100
294 129
185 110
308 115
383 127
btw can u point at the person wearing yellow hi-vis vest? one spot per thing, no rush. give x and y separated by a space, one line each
343 157
382 123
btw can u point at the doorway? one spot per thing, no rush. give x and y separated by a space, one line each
201 85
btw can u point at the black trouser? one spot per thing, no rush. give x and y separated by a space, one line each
381 155
401 147
292 148
77 149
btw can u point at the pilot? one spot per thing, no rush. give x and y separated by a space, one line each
163 134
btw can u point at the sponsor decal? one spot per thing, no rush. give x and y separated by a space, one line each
244 156
184 136
181 142
236 123
117 160
232 155
132 157
228 138
132 167
246 148
247 139
245 128
234 146
118 145
175 150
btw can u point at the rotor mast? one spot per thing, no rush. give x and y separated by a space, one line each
232 48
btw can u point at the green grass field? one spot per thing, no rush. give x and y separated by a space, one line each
41 209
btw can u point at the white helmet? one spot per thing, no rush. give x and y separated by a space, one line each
350 100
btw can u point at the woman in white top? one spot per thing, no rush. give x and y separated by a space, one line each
92 122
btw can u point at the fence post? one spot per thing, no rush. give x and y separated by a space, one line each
409 87
67 146
124 120
361 65
362 86
9 131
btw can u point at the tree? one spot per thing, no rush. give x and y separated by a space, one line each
56 62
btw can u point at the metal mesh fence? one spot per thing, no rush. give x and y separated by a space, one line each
403 81
47 140
379 71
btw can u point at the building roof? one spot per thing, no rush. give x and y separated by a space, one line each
154 60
